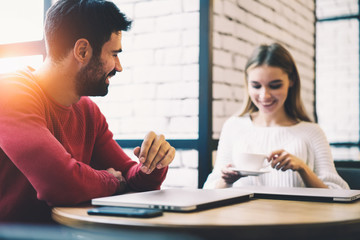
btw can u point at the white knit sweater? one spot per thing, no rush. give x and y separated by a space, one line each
305 140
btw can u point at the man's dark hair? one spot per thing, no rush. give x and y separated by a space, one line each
69 20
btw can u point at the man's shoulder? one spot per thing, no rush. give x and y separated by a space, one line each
21 79
18 75
20 93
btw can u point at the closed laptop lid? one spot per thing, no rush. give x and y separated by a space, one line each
176 199
297 193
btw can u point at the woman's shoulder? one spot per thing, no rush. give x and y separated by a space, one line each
311 129
309 126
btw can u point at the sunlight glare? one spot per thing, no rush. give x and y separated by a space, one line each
15 63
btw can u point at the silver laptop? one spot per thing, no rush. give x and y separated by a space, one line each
305 194
176 199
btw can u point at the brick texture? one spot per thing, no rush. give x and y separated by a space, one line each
159 86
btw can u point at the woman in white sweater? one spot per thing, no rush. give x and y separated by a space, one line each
274 122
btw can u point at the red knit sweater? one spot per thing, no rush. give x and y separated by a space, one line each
55 155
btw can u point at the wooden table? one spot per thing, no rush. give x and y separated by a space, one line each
253 219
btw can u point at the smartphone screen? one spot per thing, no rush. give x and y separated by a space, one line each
126 212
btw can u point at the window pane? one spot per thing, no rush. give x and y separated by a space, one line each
12 64
344 153
21 20
335 8
337 79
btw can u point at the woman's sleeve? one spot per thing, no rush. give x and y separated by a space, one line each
324 166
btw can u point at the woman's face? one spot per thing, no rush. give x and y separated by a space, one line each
268 88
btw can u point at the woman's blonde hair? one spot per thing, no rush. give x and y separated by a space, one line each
275 55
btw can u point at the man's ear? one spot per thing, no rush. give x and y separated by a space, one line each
82 51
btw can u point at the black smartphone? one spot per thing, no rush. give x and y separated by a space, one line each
126 212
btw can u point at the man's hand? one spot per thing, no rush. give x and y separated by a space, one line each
155 152
121 179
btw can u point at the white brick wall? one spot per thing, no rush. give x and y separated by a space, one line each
159 86
241 25
160 62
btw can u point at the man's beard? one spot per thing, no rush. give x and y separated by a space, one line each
91 80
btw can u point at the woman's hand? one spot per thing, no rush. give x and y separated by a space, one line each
228 175
283 160
280 159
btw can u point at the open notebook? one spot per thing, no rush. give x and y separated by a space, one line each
176 199
305 194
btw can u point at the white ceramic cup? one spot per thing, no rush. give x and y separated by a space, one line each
250 161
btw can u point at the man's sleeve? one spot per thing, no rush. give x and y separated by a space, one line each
107 153
57 177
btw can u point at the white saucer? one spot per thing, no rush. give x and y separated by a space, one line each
250 172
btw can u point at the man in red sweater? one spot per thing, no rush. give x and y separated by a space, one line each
55 145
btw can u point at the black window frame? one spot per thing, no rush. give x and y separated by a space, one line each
205 144
22 49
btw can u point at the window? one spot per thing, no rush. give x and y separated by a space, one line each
21 27
337 75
